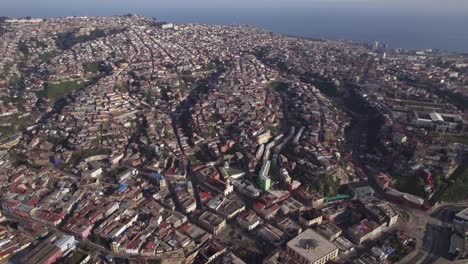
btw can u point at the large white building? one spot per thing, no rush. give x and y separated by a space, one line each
438 121
309 247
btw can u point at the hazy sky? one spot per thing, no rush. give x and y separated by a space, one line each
107 7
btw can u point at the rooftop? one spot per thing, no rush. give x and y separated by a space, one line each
463 215
310 245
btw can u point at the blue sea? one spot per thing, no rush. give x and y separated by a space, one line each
399 28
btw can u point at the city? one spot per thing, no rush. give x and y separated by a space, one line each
125 139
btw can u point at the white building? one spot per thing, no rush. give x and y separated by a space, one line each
66 244
311 248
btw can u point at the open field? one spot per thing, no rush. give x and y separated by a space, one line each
56 90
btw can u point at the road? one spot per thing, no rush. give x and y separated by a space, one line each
432 231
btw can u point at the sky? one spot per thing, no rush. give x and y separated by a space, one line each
15 8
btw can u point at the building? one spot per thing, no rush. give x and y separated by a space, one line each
231 173
461 218
264 180
263 137
311 248
229 257
272 235
344 245
125 175
314 199
210 253
359 189
436 117
458 247
11 142
329 230
291 206
43 253
279 257
406 198
289 227
379 211
438 121
2 218
210 221
383 180
158 178
246 188
365 230
310 217
294 185
66 244
248 220
167 26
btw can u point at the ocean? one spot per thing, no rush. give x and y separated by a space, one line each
409 29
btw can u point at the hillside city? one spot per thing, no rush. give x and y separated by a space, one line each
126 139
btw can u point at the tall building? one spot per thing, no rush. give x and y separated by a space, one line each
264 179
376 45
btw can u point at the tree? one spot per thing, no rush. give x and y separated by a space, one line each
23 48
96 238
